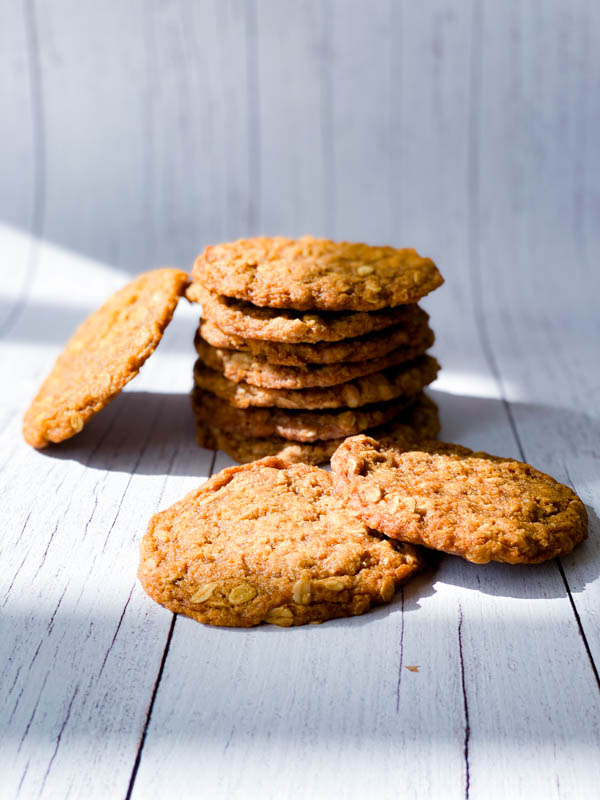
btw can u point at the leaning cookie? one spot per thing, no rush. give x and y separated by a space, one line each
449 498
420 421
403 380
310 273
268 543
105 352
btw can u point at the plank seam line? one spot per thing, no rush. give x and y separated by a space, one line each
35 708
401 661
475 272
23 776
59 737
559 564
116 633
38 133
138 756
578 620
465 704
135 469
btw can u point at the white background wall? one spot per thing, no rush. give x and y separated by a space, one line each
137 132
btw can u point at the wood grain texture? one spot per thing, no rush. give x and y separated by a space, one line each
141 132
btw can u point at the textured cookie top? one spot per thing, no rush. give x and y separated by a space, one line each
314 273
240 318
239 366
357 348
268 543
105 352
447 497
403 380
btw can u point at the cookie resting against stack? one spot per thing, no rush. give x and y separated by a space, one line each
309 341
105 353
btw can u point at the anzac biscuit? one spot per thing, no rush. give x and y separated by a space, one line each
403 380
309 273
359 348
268 543
244 367
421 421
449 498
238 318
300 426
105 352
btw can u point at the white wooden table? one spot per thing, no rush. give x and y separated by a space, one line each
477 681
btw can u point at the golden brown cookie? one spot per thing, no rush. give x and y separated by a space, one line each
105 352
309 273
300 426
244 367
359 348
403 380
420 421
238 318
268 543
447 497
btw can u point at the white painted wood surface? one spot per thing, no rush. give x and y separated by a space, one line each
137 133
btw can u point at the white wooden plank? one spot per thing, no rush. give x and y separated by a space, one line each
200 116
80 647
512 714
544 331
17 78
293 154
362 81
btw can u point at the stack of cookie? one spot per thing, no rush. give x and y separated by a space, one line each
305 342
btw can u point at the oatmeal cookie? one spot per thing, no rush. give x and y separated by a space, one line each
238 318
246 368
421 421
447 497
309 273
300 426
268 543
104 354
403 380
359 348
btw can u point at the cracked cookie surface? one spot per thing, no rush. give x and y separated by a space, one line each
447 497
310 273
268 543
104 354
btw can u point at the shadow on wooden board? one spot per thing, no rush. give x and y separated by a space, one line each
138 429
146 433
